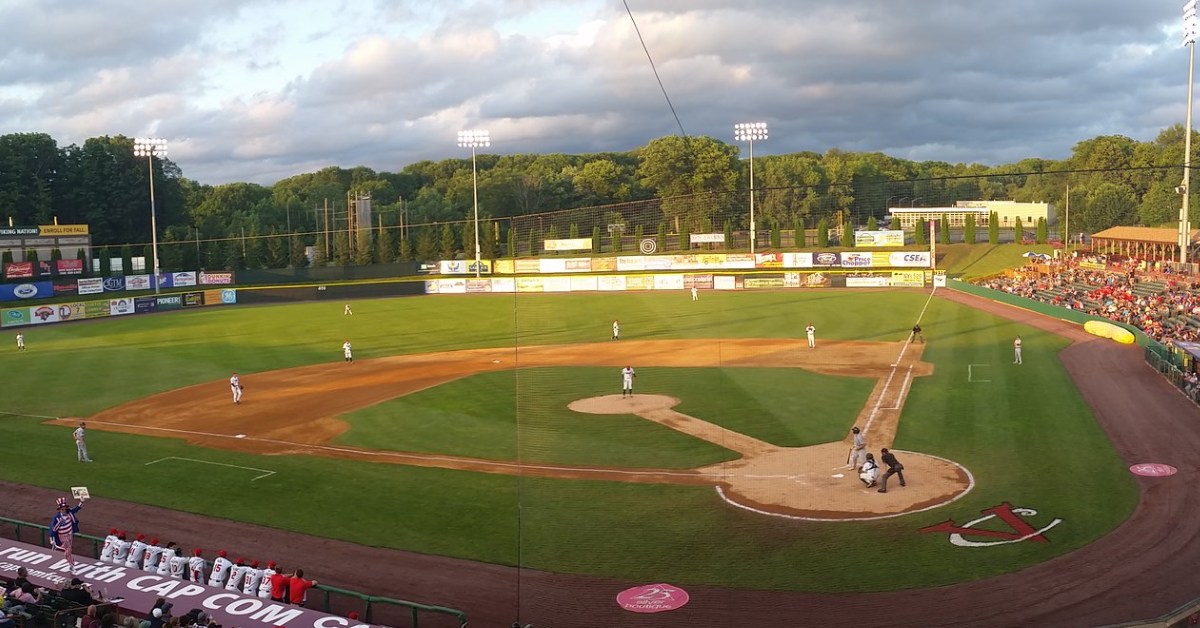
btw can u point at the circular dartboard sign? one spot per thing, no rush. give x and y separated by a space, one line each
648 246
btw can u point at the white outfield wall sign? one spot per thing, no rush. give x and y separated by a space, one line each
707 238
569 244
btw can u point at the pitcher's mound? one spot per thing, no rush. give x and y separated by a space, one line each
616 404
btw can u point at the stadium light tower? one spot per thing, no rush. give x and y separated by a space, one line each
151 147
473 139
1190 26
748 132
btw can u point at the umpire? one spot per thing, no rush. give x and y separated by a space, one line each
916 333
894 467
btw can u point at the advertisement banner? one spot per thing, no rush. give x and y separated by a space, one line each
768 260
867 280
628 263
870 239
815 280
724 282
212 297
22 291
658 262
554 266
138 282
168 302
431 286
183 280
702 281
40 314
91 286
71 311
1090 265
604 264
571 244
611 282
69 266
707 238
228 296
750 283
114 284
910 259
193 299
222 278
44 269
939 279
528 266
529 284
66 288
479 285
120 307
738 261
556 284
452 286
95 309
798 260
14 317
18 270
583 284
710 261
427 268
852 259
145 305
578 265
792 280
826 258
454 267
62 230
504 266
639 282
668 282
504 284
908 278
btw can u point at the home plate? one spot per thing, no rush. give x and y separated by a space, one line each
495 361
839 475
239 436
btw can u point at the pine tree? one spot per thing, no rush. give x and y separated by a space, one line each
944 230
296 253
872 224
969 229
512 242
1019 231
822 233
341 248
993 228
596 245
848 234
798 233
448 244
574 232
489 238
126 260
404 250
427 246
685 237
534 241
105 262
1042 231
919 232
728 234
364 247
660 238
776 236
277 250
386 249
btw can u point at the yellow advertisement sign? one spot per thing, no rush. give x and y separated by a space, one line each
62 230
908 278
604 264
503 267
639 282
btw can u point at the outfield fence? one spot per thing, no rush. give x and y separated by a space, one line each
370 608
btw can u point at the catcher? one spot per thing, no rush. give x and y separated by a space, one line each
235 386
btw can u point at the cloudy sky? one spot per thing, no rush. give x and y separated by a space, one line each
261 90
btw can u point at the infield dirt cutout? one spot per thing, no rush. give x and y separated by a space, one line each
296 410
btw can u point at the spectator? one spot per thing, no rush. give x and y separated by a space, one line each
75 593
279 585
298 588
89 619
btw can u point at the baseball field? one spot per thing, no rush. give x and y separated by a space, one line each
452 432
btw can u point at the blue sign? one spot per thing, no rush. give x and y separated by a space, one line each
22 291
114 284
228 296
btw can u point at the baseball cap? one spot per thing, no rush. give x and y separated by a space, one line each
76 581
141 537
222 553
254 564
197 551
112 531
240 561
271 564
154 541
157 612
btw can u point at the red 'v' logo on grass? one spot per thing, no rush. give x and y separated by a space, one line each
1019 528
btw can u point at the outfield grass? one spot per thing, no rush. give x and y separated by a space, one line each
1026 435
972 261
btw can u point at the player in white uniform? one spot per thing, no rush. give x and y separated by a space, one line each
20 341
627 376
220 570
121 549
1017 350
812 336
252 578
137 551
235 386
196 565
264 585
347 351
153 554
695 294
164 561
81 442
347 311
110 543
177 563
235 575
616 330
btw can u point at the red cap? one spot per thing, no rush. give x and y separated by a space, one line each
239 561
112 531
197 551
121 534
254 564
271 564
154 541
222 553
352 615
141 537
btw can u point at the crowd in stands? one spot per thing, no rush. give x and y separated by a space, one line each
1165 306
28 606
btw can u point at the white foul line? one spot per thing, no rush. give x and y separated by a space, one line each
971 377
265 473
887 384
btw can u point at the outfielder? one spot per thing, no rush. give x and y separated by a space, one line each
20 341
235 386
81 443
627 376
616 330
812 336
347 311
347 352
63 527
695 294
1017 350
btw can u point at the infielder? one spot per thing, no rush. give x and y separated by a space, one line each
812 336
81 443
858 451
347 352
63 527
235 386
20 341
347 311
616 330
627 376
1017 350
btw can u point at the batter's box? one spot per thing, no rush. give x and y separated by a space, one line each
978 373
